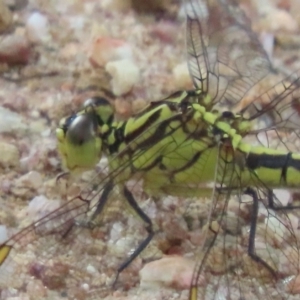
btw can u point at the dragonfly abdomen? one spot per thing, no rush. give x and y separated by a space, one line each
274 168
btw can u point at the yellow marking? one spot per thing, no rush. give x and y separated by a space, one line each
78 157
4 251
207 100
193 293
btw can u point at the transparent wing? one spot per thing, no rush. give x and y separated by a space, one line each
63 253
227 61
275 115
47 252
250 245
225 58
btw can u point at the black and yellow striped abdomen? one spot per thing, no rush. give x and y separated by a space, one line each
254 164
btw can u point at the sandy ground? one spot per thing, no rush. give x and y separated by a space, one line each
54 55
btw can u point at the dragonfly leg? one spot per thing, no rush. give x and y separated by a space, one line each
131 201
273 206
100 205
102 201
61 175
251 247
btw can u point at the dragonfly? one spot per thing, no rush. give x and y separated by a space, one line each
206 142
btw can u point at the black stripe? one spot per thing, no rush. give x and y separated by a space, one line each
285 168
255 161
119 138
160 132
272 161
134 134
148 168
175 96
156 137
190 163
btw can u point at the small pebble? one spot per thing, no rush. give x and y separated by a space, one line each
280 20
10 156
288 41
125 74
267 39
14 50
182 76
172 271
35 287
165 31
5 17
40 206
284 196
106 49
11 122
91 269
32 180
3 234
37 28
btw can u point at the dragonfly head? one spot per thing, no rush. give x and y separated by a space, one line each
80 136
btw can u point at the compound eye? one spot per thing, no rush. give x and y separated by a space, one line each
78 142
95 102
82 129
101 108
66 122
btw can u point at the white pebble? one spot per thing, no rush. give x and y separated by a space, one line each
15 49
279 19
32 180
3 234
9 155
182 76
11 121
284 196
273 17
91 269
294 221
40 206
106 49
172 271
37 27
77 22
268 42
85 286
122 246
116 231
125 74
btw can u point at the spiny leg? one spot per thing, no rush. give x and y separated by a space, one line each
100 205
149 228
251 247
270 195
132 202
102 201
272 205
